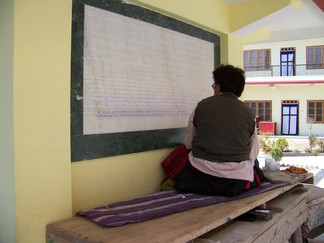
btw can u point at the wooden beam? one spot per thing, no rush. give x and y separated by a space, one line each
289 213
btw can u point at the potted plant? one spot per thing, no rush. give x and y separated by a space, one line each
276 153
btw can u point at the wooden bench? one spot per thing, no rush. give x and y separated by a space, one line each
289 213
180 227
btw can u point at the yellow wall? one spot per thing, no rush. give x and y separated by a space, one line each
112 179
247 12
47 187
208 14
101 181
235 51
42 39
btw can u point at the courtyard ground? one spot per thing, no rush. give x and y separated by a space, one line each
298 157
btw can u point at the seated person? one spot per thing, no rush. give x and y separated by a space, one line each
223 141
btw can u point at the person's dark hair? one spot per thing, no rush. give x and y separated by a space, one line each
230 79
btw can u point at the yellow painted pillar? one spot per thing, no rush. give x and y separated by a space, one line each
41 88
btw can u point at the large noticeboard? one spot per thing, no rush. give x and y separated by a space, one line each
136 76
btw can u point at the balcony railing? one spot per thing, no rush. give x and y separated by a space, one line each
278 70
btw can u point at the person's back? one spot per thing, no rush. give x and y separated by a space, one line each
224 126
221 134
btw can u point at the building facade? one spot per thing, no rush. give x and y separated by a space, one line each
285 86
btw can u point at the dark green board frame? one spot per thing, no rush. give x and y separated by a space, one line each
85 147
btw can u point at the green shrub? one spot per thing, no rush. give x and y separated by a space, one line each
320 143
282 144
312 141
276 154
265 144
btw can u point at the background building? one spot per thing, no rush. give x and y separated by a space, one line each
285 85
38 182
285 70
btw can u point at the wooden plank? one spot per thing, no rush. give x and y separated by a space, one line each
315 208
289 213
297 236
179 227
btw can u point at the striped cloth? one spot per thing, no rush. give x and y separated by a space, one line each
159 204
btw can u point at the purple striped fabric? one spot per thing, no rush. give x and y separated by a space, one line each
159 204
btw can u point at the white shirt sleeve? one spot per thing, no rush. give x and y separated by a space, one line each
190 131
255 146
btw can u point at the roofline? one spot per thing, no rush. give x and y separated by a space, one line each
272 83
293 80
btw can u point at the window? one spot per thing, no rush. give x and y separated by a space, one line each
262 108
315 57
315 111
287 61
257 60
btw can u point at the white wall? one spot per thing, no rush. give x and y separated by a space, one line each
300 46
302 93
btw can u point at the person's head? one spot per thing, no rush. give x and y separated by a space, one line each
228 78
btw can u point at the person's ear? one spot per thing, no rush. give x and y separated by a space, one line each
217 89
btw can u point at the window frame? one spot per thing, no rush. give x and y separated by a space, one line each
314 65
265 64
315 111
257 108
